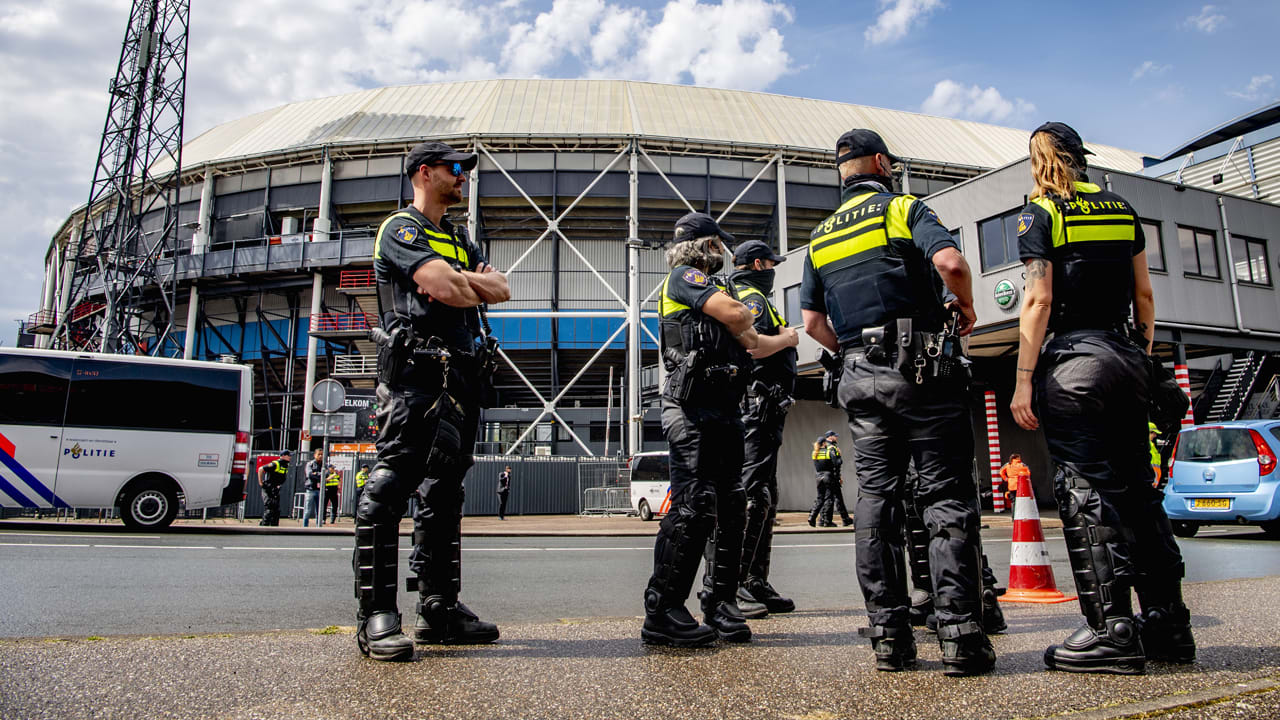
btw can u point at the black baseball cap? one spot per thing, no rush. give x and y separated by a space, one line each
1066 135
286 453
831 433
697 225
862 143
753 250
434 153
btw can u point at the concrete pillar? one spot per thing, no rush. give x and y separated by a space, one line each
635 414
781 172
68 268
204 234
189 339
320 230
317 294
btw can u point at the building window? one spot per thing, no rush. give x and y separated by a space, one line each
1155 245
791 306
955 237
1199 252
1250 256
998 240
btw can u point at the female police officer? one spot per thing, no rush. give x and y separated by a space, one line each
1086 266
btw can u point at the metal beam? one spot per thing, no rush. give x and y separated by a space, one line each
745 189
635 418
781 182
317 295
665 179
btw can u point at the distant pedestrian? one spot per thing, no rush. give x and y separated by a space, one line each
1013 474
826 461
271 478
362 477
836 488
332 484
312 475
504 490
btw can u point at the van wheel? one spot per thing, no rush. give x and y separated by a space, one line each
149 505
1272 529
1185 529
645 513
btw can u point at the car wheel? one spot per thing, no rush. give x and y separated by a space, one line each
645 513
149 506
1185 529
1272 529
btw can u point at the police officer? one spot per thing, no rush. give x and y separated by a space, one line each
271 477
432 280
837 483
769 396
705 337
332 483
826 462
1086 269
869 289
362 477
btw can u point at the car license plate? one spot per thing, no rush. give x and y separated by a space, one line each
1208 503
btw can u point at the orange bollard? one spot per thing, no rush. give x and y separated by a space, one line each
1030 575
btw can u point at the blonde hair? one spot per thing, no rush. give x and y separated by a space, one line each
818 445
1053 169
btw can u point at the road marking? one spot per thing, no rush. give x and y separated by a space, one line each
77 535
45 544
263 547
161 547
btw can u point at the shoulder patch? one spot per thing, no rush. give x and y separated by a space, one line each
694 276
756 307
1025 220
933 214
407 234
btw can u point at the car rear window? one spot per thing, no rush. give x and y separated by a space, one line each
649 469
1216 445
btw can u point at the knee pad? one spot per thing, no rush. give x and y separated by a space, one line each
879 517
383 499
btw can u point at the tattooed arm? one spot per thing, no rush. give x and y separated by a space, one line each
1031 328
1144 299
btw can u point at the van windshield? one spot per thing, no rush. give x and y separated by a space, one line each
1216 445
649 469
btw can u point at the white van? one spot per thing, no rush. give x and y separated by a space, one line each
147 435
650 484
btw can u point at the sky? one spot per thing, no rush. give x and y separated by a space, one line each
1144 76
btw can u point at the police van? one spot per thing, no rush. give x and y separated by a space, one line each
146 435
650 484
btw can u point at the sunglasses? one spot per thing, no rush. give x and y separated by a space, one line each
454 168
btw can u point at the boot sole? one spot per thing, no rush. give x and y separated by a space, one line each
896 666
737 636
1113 666
422 637
1173 657
651 637
781 609
964 670
755 614
401 655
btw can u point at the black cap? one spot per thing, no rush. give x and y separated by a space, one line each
862 143
286 453
697 225
831 433
433 153
364 467
1067 137
753 250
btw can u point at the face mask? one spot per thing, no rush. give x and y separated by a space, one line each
762 279
714 260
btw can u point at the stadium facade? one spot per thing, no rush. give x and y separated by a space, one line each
578 186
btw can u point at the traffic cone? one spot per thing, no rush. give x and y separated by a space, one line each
1030 575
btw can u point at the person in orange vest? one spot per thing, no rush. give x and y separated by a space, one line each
1013 473
1152 432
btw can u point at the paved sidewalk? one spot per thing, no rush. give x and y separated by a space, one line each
806 666
480 526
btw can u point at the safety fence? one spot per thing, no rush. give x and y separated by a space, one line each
604 487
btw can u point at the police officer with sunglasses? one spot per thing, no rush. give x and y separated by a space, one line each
432 283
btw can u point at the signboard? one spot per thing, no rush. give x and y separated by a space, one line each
1006 295
353 448
328 395
334 424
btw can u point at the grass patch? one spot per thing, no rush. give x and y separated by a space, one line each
330 630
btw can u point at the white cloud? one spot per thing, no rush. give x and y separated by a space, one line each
896 18
249 55
952 99
1208 21
1149 68
1259 88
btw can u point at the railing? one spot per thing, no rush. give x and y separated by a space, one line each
356 280
355 365
42 318
343 322
85 309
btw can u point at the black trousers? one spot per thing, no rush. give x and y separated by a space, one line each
1091 395
425 442
823 501
330 496
764 423
502 503
893 422
270 505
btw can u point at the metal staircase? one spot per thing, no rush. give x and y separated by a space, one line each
1236 388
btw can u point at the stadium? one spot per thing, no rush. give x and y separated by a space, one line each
578 186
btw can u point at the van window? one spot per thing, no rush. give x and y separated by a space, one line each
138 396
33 390
1216 445
650 468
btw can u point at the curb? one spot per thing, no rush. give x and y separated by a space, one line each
1173 703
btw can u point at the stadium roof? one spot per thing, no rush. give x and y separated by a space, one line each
610 108
1262 117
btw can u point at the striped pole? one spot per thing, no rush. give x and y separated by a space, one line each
993 446
1183 379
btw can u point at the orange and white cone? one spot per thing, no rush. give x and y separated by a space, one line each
1030 574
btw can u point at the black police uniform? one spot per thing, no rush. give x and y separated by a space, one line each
704 431
825 461
277 472
837 492
428 411
1091 388
869 266
764 412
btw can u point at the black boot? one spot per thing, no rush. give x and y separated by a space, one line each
376 561
751 608
672 626
965 650
992 614
1109 642
450 623
725 618
681 536
921 609
894 647
761 591
1166 634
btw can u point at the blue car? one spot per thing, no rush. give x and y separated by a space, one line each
1225 474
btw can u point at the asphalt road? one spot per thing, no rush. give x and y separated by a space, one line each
88 584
